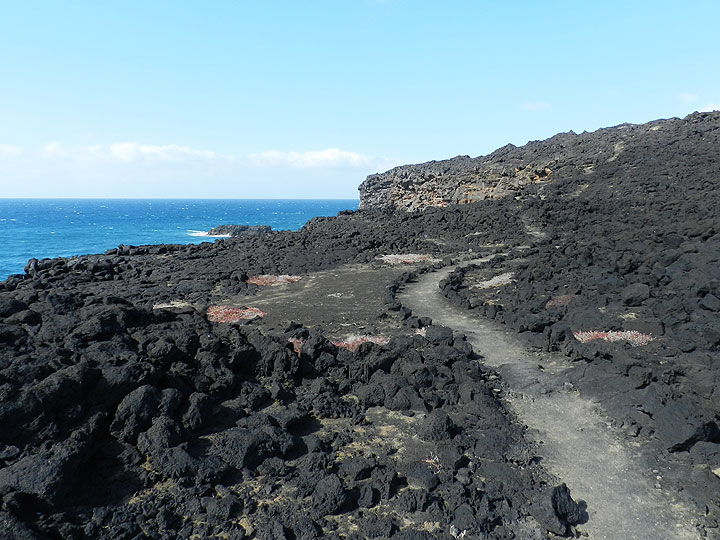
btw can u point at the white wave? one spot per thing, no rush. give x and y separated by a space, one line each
205 234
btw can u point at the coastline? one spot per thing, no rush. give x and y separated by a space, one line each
205 234
70 227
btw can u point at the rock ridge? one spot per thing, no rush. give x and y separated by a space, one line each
526 170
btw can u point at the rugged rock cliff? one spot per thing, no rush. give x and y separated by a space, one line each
527 170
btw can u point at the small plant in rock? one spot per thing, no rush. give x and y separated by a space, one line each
633 337
434 462
297 344
229 314
351 343
270 280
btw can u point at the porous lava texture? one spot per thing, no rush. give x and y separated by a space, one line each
128 410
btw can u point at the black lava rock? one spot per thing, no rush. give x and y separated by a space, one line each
567 510
436 426
329 496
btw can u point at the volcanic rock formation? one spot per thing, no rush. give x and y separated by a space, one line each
237 230
127 410
662 149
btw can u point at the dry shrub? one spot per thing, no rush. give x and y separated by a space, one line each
297 344
497 281
351 343
229 314
267 279
434 462
559 301
173 304
633 337
408 258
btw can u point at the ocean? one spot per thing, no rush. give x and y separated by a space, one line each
43 228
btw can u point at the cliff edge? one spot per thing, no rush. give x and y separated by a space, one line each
527 170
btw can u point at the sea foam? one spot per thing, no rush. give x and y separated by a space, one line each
205 234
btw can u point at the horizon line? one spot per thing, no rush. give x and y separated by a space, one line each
179 199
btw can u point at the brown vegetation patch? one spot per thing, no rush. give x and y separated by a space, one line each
270 280
297 344
559 301
351 343
406 258
229 314
633 337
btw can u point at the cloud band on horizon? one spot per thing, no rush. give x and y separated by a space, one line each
133 152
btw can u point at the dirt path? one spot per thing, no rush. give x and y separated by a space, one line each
613 476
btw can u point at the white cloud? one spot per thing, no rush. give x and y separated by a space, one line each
332 157
53 149
168 152
688 98
711 107
535 105
130 152
128 169
10 150
136 153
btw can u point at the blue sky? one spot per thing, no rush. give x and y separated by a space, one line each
304 99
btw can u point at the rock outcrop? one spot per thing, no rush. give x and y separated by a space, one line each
238 230
526 170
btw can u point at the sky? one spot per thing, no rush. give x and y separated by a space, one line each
288 99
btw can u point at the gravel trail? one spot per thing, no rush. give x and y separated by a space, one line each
613 475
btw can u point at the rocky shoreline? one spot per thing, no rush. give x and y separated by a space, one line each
203 392
238 230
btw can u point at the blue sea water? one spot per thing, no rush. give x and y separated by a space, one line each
65 227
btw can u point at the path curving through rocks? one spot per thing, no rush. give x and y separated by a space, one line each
612 475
